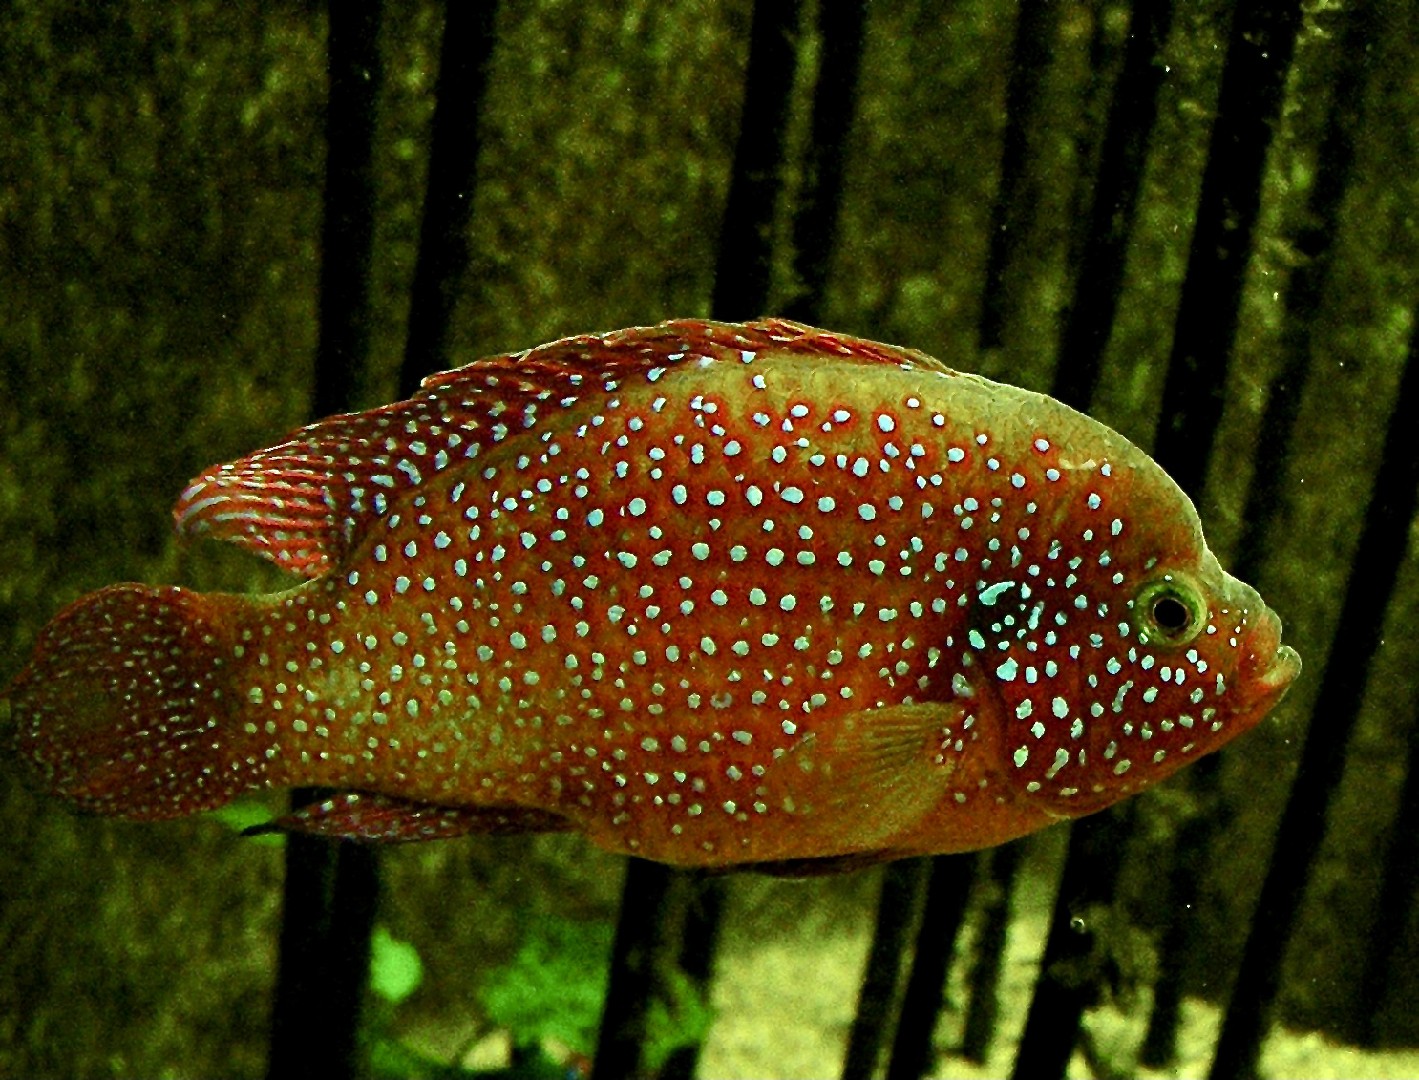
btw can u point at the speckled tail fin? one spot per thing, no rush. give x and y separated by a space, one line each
854 788
356 815
305 501
123 707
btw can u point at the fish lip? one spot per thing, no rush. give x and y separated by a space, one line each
1266 665
1276 666
1281 673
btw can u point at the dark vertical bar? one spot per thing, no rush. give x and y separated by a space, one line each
640 934
448 199
1249 102
741 273
815 233
1314 242
984 978
699 941
1092 866
1388 518
901 891
1097 283
1304 293
332 887
1107 53
647 923
1259 49
1179 894
1098 278
1179 897
347 233
1034 35
815 222
1398 887
1068 980
947 890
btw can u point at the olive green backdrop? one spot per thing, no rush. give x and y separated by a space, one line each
160 204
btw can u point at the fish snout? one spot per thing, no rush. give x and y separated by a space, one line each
1266 665
1281 673
1269 667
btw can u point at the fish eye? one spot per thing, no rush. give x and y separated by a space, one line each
1169 611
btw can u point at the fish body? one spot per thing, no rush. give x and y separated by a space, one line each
712 594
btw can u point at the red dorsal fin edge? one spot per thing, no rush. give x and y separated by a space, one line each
304 502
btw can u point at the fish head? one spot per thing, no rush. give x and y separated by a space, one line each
1234 632
1122 651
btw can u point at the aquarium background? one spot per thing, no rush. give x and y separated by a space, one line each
162 177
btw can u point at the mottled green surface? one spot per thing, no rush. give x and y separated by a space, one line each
160 176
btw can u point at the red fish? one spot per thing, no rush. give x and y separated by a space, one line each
711 594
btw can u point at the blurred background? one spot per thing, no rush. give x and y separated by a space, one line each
162 199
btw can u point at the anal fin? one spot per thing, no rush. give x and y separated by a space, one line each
375 818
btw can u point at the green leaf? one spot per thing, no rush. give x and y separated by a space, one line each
683 1020
555 985
395 968
244 813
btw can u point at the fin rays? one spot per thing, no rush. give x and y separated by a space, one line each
122 707
303 502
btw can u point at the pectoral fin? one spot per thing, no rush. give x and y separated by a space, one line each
852 787
376 818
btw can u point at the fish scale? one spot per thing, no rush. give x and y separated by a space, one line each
711 594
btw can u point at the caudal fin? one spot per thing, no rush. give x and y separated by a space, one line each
124 706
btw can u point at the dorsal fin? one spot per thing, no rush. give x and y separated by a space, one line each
303 502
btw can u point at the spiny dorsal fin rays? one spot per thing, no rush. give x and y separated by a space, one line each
304 503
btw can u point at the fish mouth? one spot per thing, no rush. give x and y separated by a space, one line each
1266 668
1274 666
1282 672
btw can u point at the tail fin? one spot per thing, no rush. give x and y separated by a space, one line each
125 709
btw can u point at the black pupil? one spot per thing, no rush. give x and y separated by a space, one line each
1171 614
